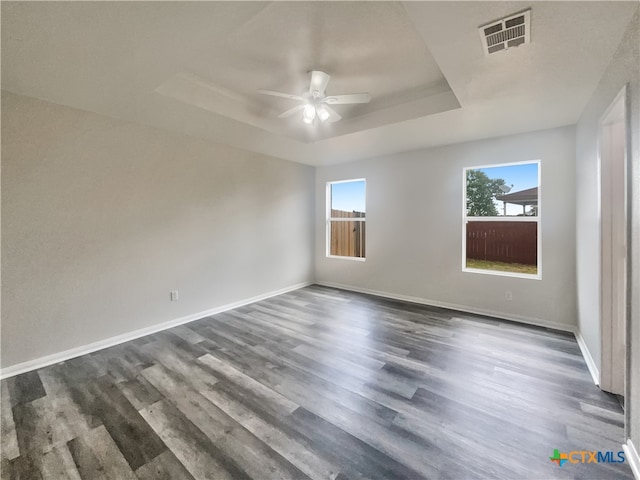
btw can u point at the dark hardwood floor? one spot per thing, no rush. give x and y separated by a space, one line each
317 383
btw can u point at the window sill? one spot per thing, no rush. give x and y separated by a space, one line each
355 259
528 276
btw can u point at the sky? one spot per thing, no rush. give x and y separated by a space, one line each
521 177
348 196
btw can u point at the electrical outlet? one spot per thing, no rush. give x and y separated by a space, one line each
174 295
508 295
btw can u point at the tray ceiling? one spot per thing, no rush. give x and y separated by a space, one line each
195 68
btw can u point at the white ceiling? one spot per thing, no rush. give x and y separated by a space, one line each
196 67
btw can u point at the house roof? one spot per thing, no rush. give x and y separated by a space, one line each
523 197
196 68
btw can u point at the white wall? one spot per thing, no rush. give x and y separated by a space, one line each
414 228
622 70
102 218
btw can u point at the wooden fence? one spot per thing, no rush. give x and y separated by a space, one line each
347 238
509 242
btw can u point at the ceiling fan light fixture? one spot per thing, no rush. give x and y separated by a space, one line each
309 113
323 113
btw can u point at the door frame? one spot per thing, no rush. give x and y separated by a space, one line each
613 376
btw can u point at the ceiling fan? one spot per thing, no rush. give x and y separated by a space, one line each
315 102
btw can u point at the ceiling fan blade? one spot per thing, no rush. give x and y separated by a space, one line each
348 98
291 111
333 115
319 81
278 94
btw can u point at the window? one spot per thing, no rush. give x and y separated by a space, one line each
501 220
346 219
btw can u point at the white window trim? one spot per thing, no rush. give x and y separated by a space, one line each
537 219
329 219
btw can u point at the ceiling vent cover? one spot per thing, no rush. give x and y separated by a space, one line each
508 32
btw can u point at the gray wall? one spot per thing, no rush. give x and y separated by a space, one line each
622 70
102 218
414 228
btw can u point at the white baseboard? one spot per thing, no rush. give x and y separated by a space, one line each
633 459
463 308
588 359
125 337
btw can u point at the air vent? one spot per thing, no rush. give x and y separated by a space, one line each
506 33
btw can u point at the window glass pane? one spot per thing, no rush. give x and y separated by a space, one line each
346 201
348 238
503 246
501 211
348 197
510 190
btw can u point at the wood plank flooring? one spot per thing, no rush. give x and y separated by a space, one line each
317 383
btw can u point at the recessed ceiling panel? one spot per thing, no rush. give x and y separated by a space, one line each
364 47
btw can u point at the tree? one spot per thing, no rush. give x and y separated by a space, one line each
481 191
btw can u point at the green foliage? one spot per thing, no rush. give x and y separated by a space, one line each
481 191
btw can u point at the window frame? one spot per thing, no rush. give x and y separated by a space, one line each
330 219
537 219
